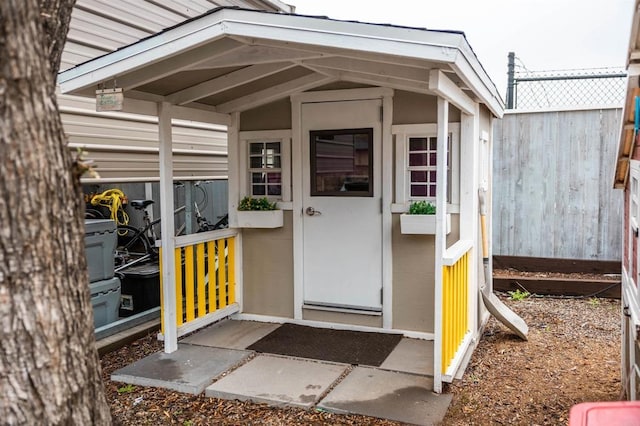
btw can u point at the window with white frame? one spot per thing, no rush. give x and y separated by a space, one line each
265 169
416 163
422 155
265 162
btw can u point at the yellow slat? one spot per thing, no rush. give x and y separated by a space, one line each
456 284
211 286
231 268
179 296
455 308
445 318
161 296
202 297
189 282
465 296
222 285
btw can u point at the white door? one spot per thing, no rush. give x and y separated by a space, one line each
342 218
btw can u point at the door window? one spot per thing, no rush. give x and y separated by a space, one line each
342 162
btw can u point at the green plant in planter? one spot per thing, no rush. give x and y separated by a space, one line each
422 207
256 204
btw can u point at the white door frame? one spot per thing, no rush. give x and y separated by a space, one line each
297 189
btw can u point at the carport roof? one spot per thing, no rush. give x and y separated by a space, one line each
232 59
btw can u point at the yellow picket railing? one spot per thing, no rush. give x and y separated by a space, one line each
204 275
455 308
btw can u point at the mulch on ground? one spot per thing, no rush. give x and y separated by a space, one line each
325 344
572 356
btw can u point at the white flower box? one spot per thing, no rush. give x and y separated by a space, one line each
421 223
260 219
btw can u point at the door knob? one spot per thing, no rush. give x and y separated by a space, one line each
310 211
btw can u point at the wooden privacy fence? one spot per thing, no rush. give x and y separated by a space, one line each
553 190
205 281
455 304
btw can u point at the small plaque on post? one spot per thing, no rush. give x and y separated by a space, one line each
109 99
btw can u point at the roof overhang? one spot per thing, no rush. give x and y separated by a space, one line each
280 5
627 133
231 60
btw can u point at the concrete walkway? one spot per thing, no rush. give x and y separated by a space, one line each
215 360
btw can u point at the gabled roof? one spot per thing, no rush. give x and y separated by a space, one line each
627 134
232 59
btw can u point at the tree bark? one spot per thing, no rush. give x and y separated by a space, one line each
49 366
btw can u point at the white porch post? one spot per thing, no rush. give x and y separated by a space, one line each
441 235
387 217
234 191
469 214
167 228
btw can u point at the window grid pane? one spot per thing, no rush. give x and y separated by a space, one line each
265 168
423 155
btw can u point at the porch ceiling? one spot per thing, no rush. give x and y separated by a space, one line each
232 60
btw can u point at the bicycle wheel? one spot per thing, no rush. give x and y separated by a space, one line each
222 223
132 244
93 214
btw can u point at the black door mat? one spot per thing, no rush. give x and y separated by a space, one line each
350 347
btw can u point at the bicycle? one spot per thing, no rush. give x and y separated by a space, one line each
137 245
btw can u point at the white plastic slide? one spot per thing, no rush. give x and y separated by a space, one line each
495 306
503 314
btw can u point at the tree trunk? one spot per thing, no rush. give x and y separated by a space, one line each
49 366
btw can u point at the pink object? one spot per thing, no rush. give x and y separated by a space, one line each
618 413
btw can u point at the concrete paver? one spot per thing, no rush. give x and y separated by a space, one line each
189 369
399 389
411 356
231 334
278 381
390 395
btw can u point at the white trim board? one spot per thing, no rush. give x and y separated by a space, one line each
333 325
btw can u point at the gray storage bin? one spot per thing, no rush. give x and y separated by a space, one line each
105 299
100 241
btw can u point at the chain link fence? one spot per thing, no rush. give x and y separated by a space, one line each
539 90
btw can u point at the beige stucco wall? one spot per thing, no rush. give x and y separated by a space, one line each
413 277
415 108
267 257
273 116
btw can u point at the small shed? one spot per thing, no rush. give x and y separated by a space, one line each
343 124
627 178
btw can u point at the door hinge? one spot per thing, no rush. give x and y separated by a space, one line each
381 295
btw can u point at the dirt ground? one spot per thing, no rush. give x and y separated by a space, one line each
572 356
